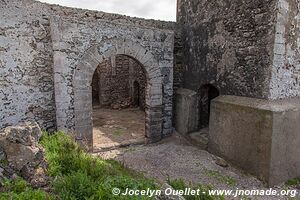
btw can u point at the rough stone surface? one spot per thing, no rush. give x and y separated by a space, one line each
22 154
26 66
178 60
228 44
186 116
260 136
285 71
48 51
244 48
19 144
119 82
26 133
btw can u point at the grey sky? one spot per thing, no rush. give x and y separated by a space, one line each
151 9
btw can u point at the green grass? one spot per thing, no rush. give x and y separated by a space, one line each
222 178
78 175
20 190
179 184
4 162
293 182
117 132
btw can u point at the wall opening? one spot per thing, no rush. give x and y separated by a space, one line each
118 92
206 93
136 94
95 89
155 122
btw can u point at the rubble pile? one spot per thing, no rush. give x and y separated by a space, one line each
21 154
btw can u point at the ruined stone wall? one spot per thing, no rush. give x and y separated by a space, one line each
116 81
179 66
228 44
178 60
137 74
29 42
26 67
285 79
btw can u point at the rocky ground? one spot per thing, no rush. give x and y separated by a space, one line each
176 158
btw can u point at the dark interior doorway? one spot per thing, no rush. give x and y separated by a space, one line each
118 92
95 89
136 94
206 93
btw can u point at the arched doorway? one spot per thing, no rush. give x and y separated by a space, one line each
118 87
82 81
206 93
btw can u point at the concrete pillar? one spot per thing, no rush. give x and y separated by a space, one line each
186 111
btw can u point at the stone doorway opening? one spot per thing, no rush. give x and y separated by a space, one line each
157 104
118 100
206 94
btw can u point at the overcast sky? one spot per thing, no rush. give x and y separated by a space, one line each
151 9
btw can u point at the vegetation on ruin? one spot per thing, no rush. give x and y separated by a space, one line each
76 175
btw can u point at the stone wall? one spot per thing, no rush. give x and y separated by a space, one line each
178 60
115 81
228 44
286 58
26 67
244 48
38 40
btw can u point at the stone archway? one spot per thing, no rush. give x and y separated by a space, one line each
83 91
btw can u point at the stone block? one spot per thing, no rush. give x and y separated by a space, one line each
84 135
80 120
186 111
260 136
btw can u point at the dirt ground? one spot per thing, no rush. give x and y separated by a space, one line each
115 128
177 158
119 134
